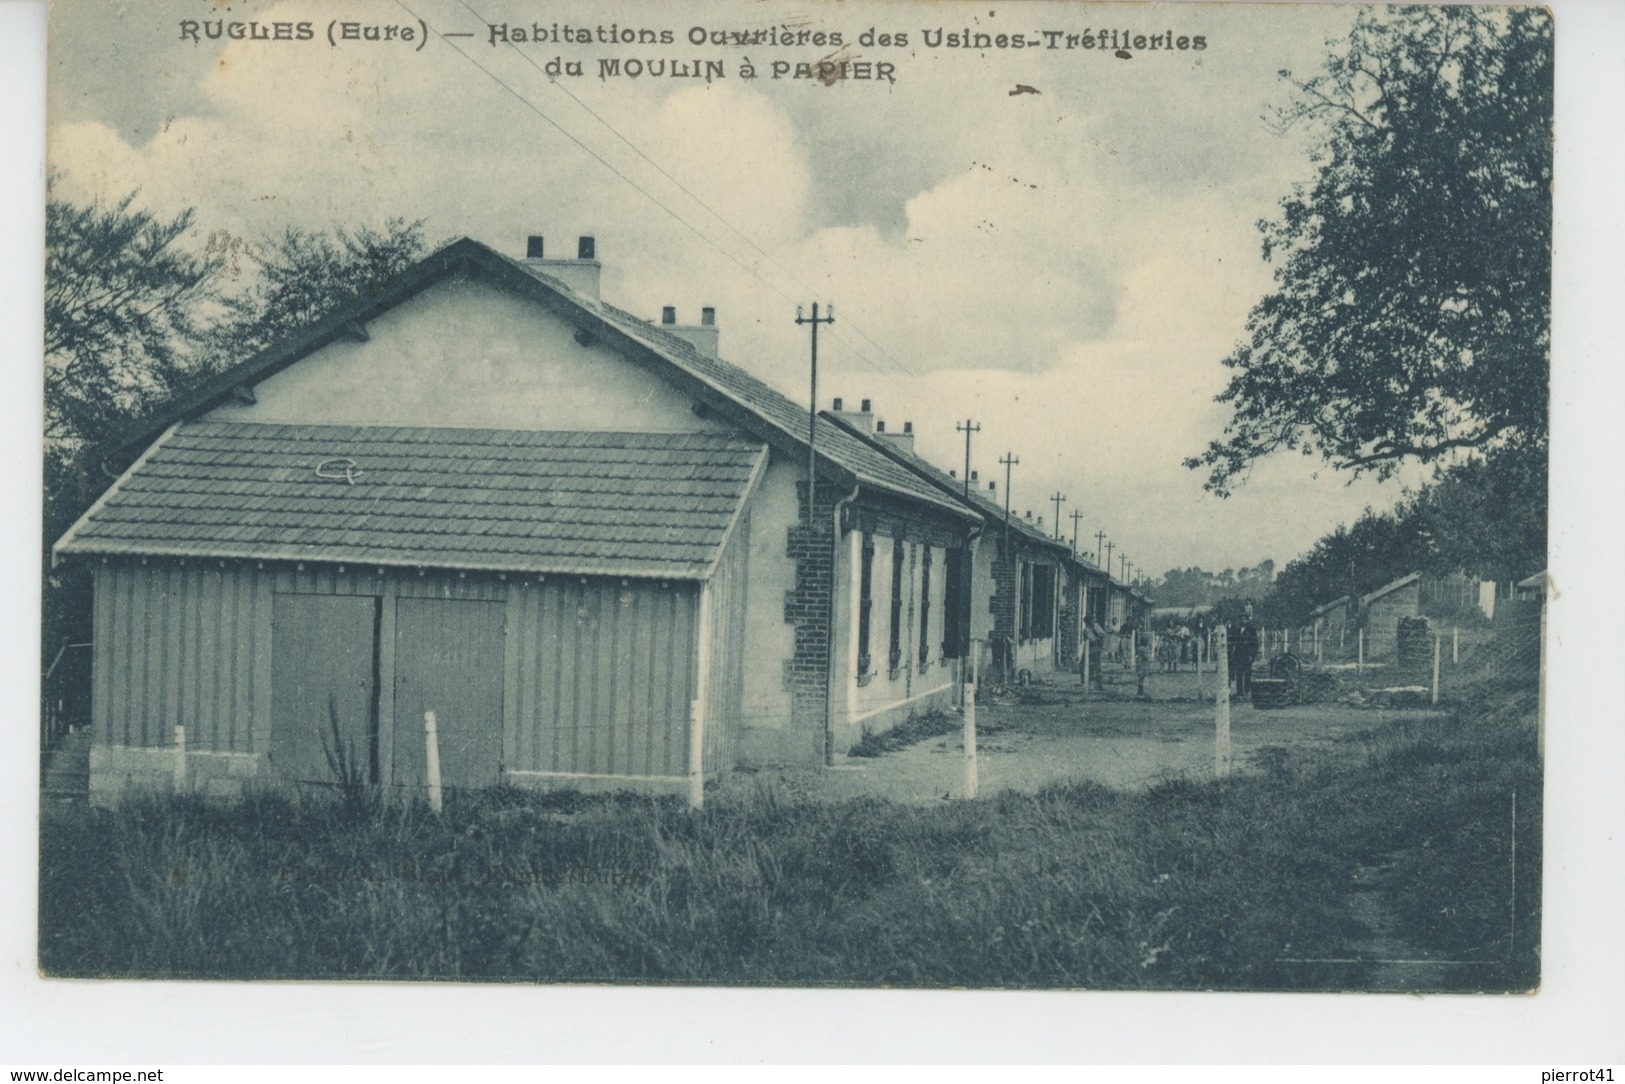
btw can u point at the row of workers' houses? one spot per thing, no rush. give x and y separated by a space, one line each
580 539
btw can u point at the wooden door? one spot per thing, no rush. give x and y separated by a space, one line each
448 660
323 661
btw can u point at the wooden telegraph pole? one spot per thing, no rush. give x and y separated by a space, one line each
1075 516
1009 459
812 405
1100 539
968 428
1058 499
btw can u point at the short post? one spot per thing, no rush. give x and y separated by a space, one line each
969 738
1133 648
1221 705
1437 644
1455 646
1317 644
180 758
1086 660
431 749
696 755
1359 663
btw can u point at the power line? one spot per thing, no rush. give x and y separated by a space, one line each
651 197
713 212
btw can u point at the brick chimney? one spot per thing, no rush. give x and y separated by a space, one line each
581 274
862 419
903 441
703 336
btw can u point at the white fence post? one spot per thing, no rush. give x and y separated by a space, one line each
1359 665
180 759
969 738
431 749
1455 646
1437 644
696 755
1221 705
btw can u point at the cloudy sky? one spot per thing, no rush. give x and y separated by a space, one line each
1067 266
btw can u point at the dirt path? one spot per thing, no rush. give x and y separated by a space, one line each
1060 734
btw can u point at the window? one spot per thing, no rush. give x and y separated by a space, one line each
925 606
896 604
1043 602
952 589
866 581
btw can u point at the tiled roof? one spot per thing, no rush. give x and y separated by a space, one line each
630 504
989 510
761 399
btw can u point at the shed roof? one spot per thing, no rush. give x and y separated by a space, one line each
1328 607
630 504
1388 589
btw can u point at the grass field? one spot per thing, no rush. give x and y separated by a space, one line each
1188 885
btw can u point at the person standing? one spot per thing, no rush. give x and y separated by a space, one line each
1244 640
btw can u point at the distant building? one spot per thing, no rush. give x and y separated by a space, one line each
1382 610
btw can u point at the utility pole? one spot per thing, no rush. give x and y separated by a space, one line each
1009 459
1100 540
968 428
1122 567
1109 546
812 404
1058 498
1075 515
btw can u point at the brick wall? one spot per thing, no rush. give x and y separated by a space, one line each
807 610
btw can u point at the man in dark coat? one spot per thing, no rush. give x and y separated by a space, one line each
1244 637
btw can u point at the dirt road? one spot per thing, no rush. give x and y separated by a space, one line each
1057 733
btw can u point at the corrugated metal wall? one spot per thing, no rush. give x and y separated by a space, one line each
181 644
725 690
600 674
596 675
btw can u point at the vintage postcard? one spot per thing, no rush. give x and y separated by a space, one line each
908 494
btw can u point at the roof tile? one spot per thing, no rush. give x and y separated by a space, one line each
647 504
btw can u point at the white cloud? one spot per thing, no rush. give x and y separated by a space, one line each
1070 270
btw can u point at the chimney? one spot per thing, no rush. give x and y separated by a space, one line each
703 336
581 274
975 476
903 440
993 487
862 420
953 474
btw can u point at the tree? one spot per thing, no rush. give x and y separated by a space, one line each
1485 517
301 275
1412 304
124 302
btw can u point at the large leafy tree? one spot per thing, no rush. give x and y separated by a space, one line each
125 303
298 276
1410 315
